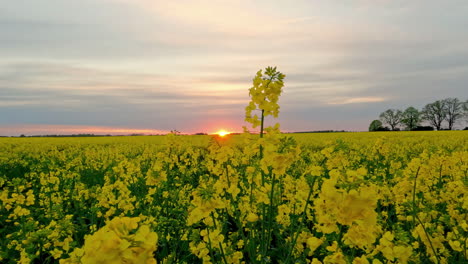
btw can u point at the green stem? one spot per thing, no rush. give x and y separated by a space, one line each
210 248
261 133
464 247
304 215
415 217
414 196
261 124
223 256
222 253
429 239
270 215
263 119
262 234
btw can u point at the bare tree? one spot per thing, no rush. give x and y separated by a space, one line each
411 118
454 109
435 113
465 108
391 117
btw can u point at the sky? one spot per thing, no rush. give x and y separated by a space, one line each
151 66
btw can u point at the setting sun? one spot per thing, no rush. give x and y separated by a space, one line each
222 133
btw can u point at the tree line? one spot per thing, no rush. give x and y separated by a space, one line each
440 115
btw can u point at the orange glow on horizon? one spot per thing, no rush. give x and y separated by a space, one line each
74 129
222 133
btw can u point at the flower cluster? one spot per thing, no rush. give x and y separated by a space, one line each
264 95
121 240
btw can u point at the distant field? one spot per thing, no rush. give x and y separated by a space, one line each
383 197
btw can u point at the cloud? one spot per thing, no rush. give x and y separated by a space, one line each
162 64
358 100
64 92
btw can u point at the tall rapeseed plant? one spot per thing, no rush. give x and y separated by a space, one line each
265 92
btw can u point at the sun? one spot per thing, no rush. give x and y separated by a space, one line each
222 133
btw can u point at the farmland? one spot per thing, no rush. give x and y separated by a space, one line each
384 197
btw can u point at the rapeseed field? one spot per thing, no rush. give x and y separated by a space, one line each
384 197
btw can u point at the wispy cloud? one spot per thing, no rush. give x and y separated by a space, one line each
76 91
357 100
